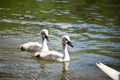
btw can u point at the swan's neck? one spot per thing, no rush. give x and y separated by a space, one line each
66 54
44 45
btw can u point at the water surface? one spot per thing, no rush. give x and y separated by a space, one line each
94 28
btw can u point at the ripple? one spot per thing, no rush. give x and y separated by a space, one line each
62 25
7 9
92 8
52 1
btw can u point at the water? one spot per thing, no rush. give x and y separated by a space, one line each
94 28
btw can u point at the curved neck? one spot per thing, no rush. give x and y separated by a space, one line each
66 54
44 45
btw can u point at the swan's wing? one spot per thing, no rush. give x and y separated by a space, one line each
50 55
115 75
56 53
31 46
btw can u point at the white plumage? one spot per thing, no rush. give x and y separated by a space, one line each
112 73
31 46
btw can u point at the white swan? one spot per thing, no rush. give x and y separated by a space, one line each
35 46
112 73
54 55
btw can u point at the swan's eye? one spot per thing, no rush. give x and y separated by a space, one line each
66 40
43 33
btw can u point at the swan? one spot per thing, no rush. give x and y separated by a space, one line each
54 55
112 73
35 46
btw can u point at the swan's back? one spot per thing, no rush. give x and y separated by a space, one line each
50 55
31 46
115 75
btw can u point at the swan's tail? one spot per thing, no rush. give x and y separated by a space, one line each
112 73
21 47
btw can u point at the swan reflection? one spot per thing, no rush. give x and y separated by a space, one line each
65 71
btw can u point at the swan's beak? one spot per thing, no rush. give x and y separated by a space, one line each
47 38
70 44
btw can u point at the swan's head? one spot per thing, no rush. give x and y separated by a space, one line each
66 40
44 34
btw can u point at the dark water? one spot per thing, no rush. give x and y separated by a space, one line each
94 27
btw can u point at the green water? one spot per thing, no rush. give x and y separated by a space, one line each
94 27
